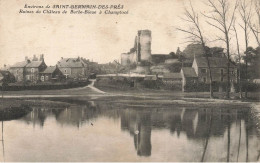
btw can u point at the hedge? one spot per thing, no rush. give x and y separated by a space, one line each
44 86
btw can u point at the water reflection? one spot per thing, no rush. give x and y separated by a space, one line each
220 134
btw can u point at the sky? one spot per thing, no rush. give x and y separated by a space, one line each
101 38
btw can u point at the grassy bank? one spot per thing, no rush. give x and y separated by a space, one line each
16 108
12 109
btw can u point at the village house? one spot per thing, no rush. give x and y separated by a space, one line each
52 73
28 70
199 71
18 70
71 67
78 68
218 69
33 69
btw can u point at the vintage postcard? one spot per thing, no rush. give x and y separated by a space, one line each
129 80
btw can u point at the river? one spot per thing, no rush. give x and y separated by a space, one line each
108 130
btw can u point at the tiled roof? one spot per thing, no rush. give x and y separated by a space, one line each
34 64
20 64
214 62
172 75
49 70
189 72
70 62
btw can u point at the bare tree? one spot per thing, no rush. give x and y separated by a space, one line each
222 17
239 61
254 21
245 14
196 36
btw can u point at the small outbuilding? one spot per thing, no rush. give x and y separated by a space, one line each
52 73
189 77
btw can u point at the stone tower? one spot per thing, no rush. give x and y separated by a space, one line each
143 42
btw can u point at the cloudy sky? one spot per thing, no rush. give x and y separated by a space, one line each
101 38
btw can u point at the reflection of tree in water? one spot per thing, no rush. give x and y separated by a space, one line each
193 122
37 116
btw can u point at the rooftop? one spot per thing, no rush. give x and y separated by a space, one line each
20 64
172 75
49 70
70 62
214 62
34 64
189 72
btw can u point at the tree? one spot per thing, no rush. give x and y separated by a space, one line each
253 60
196 36
239 62
221 20
245 14
254 21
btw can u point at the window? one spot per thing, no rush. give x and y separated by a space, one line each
32 70
222 75
28 77
232 72
17 71
42 78
203 70
204 79
46 77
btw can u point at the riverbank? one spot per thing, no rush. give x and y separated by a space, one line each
12 109
90 91
16 108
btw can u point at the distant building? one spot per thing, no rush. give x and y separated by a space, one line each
34 68
172 78
159 69
218 69
52 73
199 71
18 70
28 70
76 67
160 58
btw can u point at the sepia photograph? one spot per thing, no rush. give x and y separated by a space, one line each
129 80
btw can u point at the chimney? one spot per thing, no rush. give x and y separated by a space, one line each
61 57
42 57
34 58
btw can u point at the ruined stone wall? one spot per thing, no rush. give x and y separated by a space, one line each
144 40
